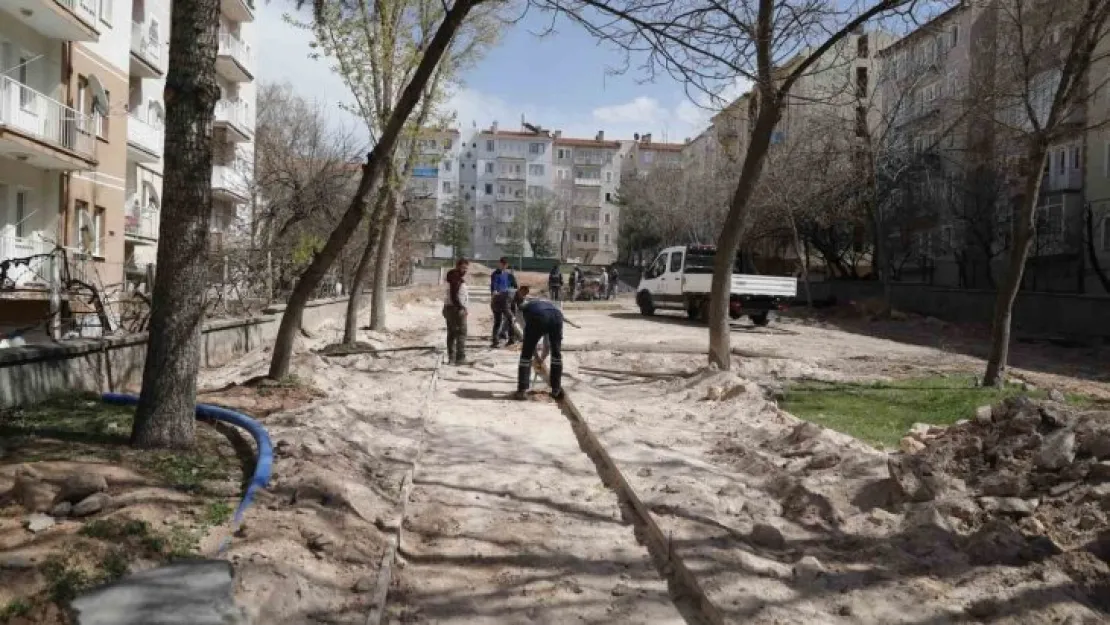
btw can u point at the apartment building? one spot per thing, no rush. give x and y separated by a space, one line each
81 118
435 186
587 215
1097 181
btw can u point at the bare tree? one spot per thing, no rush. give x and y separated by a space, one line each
1043 55
771 43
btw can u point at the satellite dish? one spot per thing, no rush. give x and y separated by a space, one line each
100 96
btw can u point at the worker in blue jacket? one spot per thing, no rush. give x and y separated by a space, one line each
541 320
502 283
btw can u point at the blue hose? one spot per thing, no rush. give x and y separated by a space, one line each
262 468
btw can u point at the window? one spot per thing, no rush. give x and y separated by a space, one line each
466 196
82 226
501 190
98 231
489 189
26 95
608 198
83 104
561 174
20 213
606 239
489 145
446 186
1061 158
608 178
676 262
1075 158
647 157
535 170
954 36
106 12
536 148
446 144
489 167
562 153
606 216
447 165
862 50
102 118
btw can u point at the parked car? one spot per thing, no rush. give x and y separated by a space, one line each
681 279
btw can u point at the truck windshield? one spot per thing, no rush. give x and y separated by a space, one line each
701 261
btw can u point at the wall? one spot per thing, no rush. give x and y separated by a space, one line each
34 373
1054 314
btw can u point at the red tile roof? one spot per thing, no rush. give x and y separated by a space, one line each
662 147
587 143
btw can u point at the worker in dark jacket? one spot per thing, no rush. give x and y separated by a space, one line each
555 283
455 303
541 320
501 285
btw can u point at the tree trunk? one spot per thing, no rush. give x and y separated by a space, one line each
1092 253
803 258
362 272
733 230
1011 283
379 300
165 414
376 162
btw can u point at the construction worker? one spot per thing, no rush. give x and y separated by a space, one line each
614 280
501 284
541 320
555 283
455 304
575 283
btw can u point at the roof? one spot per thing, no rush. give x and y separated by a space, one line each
587 143
662 147
916 33
516 133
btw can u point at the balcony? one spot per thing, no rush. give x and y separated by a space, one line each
587 182
41 131
236 119
510 156
36 274
228 185
144 140
141 226
62 20
1070 180
515 175
234 59
146 51
238 10
517 196
590 159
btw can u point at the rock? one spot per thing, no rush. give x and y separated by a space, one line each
809 569
1032 525
1100 472
984 415
92 504
1056 396
1057 451
879 516
1029 387
364 584
78 486
644 472
30 492
1013 506
983 609
714 393
919 430
769 536
1097 444
735 391
824 460
926 516
1002 484
1062 488
1024 422
962 508
917 480
910 445
845 610
620 590
61 509
1054 417
321 542
38 523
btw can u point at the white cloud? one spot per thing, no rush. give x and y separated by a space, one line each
641 110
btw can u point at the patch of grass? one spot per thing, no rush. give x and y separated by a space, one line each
80 417
115 565
881 413
65 581
115 529
182 543
15 608
186 471
217 512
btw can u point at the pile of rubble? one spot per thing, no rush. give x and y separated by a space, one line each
1038 470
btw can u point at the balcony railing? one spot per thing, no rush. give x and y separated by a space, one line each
39 271
30 112
228 182
144 134
588 182
510 175
232 46
141 223
511 197
590 159
146 43
236 113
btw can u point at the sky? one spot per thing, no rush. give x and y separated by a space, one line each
559 81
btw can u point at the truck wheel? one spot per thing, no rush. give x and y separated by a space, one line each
643 299
734 316
761 319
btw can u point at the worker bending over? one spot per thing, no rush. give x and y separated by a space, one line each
541 320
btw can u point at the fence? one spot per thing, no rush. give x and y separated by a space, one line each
36 372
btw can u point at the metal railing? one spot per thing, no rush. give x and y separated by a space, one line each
588 182
144 134
510 175
232 46
141 223
147 43
237 113
590 159
28 111
39 271
85 9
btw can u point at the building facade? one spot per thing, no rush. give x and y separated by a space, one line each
81 118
